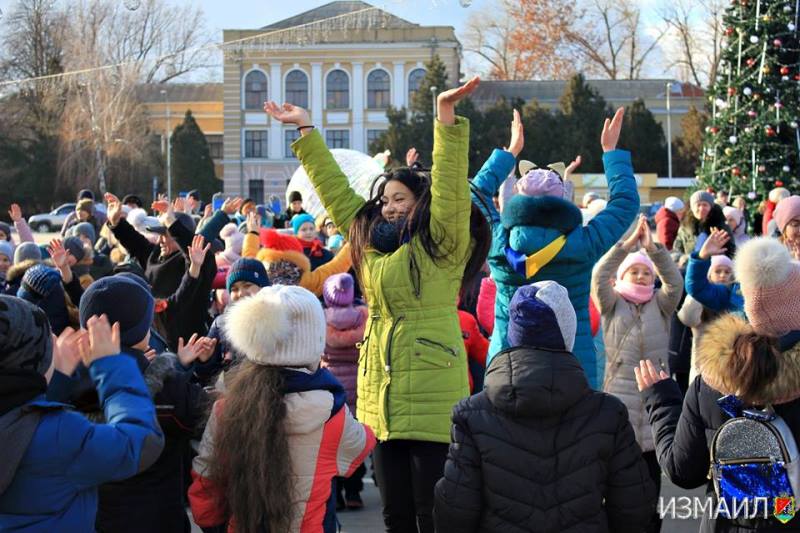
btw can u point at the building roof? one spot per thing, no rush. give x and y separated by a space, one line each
550 91
337 8
179 92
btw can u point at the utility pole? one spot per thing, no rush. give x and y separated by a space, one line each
669 134
433 99
169 146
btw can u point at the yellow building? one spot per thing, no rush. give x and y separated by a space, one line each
166 104
347 80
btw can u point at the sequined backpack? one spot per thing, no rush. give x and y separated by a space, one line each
753 455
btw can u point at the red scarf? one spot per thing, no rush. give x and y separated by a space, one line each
315 246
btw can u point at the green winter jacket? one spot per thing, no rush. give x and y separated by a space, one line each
412 366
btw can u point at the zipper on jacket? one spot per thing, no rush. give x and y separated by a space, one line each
439 345
390 343
365 342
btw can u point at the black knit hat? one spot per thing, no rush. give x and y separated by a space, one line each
25 342
123 300
74 245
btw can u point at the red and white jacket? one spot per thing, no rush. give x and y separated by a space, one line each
321 447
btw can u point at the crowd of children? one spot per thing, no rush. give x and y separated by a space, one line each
509 360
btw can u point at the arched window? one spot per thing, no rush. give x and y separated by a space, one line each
337 90
378 89
414 81
297 88
255 90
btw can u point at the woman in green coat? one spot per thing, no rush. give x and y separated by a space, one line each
413 248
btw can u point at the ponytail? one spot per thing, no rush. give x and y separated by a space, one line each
754 365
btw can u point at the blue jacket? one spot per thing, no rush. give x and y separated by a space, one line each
54 486
530 223
716 297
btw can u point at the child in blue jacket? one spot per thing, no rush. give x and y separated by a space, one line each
541 237
715 296
54 459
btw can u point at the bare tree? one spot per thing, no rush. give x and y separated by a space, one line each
696 28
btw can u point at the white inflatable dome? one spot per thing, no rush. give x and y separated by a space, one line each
360 168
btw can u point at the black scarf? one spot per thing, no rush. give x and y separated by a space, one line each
19 387
387 237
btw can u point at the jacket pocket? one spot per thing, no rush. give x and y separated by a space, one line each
363 346
434 353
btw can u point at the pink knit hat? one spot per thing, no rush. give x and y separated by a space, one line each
721 260
770 282
636 258
788 209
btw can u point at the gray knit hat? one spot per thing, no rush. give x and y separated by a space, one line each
25 342
26 251
75 247
701 196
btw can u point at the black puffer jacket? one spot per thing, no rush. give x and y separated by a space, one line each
683 428
538 450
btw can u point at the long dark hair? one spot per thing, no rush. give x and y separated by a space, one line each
754 365
251 461
417 224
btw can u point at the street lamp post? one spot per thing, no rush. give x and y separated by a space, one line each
169 146
669 134
433 94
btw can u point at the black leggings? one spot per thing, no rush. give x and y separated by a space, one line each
655 474
406 472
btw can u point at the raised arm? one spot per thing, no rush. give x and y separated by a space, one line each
332 186
715 297
24 232
450 196
129 238
496 170
669 295
623 202
341 262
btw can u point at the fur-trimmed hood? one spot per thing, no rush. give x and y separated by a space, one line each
15 272
715 351
268 255
544 211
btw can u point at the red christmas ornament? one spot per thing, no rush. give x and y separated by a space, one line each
735 171
729 31
777 43
731 91
714 130
785 71
750 62
710 190
770 131
779 183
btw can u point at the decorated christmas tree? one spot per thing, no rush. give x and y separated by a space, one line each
752 140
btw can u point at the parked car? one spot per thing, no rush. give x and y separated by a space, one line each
52 221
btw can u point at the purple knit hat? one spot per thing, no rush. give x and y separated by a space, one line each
338 290
541 182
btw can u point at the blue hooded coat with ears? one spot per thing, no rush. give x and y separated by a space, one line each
529 224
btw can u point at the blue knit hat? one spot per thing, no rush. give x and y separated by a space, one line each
299 220
541 315
38 282
7 250
26 251
75 247
122 300
247 269
86 229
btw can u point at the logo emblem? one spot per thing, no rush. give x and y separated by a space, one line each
784 509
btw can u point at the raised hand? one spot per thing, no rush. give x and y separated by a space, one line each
645 235
288 114
647 376
715 244
15 213
189 351
67 350
197 254
150 354
231 205
208 210
411 156
113 209
179 205
571 167
161 205
58 254
253 222
611 130
517 135
447 100
206 348
103 340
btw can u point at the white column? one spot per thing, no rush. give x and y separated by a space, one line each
399 85
316 94
275 94
357 106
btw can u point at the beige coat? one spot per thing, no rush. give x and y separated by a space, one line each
634 332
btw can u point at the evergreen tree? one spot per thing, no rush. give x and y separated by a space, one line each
687 149
192 167
579 123
752 140
541 135
643 137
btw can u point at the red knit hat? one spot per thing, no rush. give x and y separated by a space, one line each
770 282
270 238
